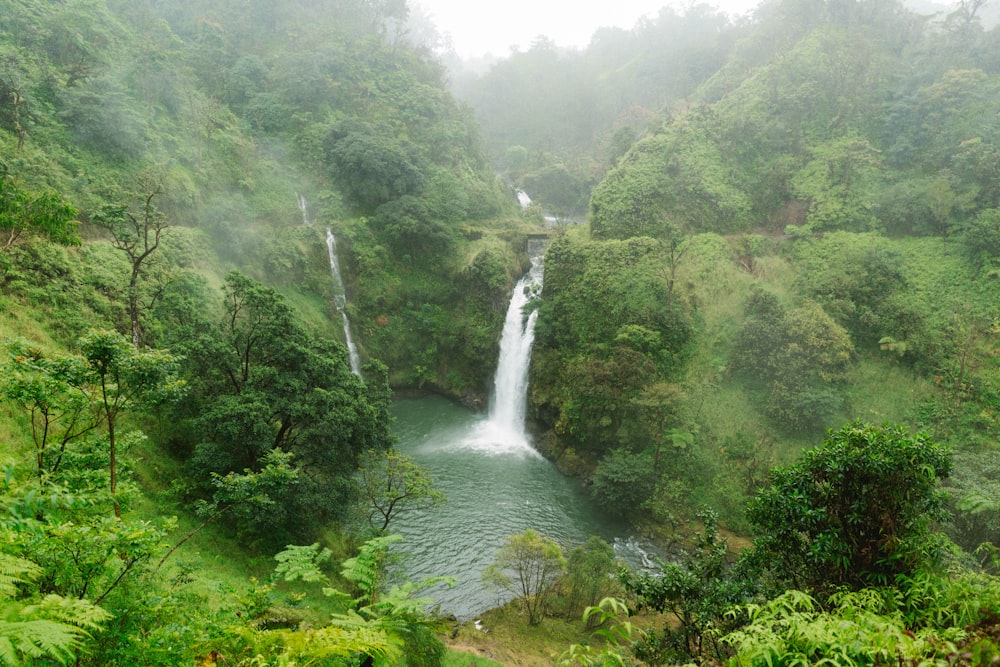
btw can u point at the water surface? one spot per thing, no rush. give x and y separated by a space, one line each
495 488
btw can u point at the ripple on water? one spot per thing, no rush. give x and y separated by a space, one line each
496 486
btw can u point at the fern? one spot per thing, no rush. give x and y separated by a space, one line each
367 569
14 571
52 628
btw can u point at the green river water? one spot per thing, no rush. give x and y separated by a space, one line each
496 485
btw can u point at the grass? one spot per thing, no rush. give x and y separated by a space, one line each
455 658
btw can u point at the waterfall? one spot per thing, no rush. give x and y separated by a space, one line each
305 211
522 198
340 300
503 431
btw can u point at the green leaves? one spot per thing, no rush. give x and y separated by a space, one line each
857 510
51 628
527 565
24 213
390 484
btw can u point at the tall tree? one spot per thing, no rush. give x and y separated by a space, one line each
855 511
137 233
391 484
126 378
24 213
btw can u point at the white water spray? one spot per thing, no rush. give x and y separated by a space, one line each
504 432
523 199
340 301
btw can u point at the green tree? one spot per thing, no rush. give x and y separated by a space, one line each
57 394
623 481
138 235
390 484
527 565
126 379
24 214
981 239
855 511
589 574
838 182
261 382
697 587
799 356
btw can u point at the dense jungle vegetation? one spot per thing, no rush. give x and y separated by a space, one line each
774 318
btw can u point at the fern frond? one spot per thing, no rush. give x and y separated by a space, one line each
37 639
80 613
14 571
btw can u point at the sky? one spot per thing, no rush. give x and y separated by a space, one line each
477 27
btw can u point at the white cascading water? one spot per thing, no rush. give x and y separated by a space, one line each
523 199
340 301
503 431
305 210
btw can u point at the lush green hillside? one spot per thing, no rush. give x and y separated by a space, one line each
170 342
810 239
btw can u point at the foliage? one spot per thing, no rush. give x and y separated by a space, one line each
697 587
50 628
390 484
527 565
56 392
589 570
602 338
794 629
855 511
622 481
668 184
126 379
24 213
138 235
269 385
610 615
800 356
381 623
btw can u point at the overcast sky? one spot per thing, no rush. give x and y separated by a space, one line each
478 27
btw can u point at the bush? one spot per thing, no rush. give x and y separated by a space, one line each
855 511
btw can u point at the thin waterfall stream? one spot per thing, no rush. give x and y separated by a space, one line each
495 481
339 291
340 302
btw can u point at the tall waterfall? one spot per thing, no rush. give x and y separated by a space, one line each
340 301
504 430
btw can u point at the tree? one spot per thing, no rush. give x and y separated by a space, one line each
697 587
527 565
24 213
126 378
263 382
799 356
855 511
138 235
589 573
623 481
56 393
390 484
